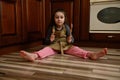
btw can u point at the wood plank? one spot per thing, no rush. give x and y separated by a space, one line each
59 67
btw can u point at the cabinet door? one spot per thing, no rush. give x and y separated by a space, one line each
10 22
33 19
72 8
84 20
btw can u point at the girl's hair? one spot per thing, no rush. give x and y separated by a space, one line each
52 19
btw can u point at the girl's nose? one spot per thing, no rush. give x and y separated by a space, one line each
58 18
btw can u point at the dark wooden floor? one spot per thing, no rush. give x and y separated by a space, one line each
57 67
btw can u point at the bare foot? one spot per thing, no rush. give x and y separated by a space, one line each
97 55
28 56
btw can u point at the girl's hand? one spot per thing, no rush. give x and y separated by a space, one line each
69 39
52 37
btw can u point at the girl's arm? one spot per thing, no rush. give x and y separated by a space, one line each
47 39
70 38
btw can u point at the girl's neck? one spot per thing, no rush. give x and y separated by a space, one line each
59 27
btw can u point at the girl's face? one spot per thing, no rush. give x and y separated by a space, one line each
59 18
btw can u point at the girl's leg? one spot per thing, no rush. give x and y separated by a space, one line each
47 51
76 51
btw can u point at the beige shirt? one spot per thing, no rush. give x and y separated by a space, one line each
60 36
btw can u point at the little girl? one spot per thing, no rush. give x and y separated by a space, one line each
60 39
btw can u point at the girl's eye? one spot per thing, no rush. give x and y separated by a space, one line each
56 17
61 17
